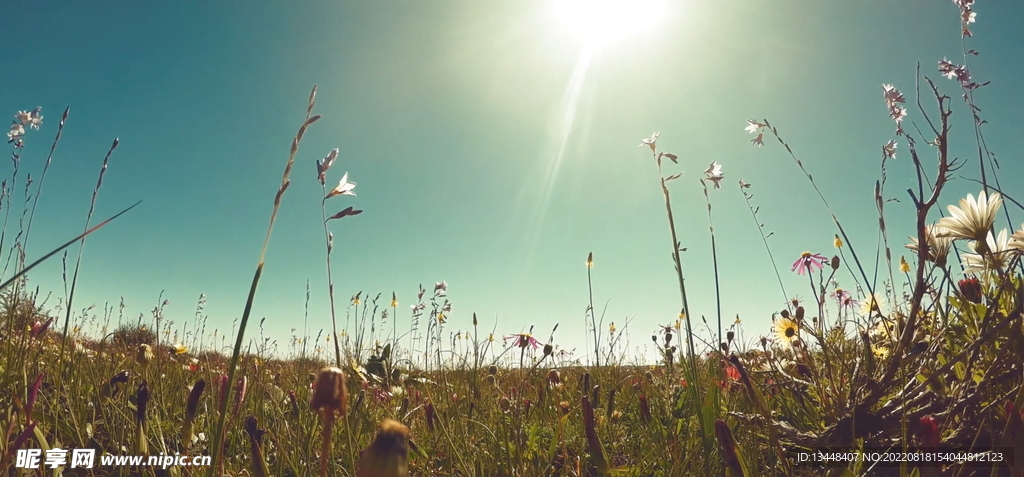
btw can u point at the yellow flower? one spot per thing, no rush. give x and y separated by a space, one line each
737 319
394 300
611 328
904 266
328 338
880 352
838 242
872 303
590 260
179 349
440 317
786 330
490 338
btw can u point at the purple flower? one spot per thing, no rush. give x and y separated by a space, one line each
808 262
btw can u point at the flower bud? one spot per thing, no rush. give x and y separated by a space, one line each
970 287
645 409
835 262
330 395
548 349
428 411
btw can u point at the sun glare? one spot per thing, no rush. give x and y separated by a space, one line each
600 22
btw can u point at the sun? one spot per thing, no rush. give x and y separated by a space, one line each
600 22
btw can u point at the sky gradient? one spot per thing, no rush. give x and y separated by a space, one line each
486 153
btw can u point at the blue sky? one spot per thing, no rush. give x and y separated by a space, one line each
451 118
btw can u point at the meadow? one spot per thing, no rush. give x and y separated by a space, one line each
924 352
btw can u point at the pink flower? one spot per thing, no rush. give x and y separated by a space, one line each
844 298
809 262
523 340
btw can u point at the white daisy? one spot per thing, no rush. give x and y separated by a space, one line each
973 219
938 244
995 256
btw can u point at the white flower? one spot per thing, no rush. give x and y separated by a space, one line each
891 94
889 149
31 119
17 131
744 184
758 140
1017 239
714 174
440 288
938 244
973 219
650 141
344 187
753 125
993 256
323 165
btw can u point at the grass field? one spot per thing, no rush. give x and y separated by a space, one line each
924 352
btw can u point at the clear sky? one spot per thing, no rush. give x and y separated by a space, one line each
486 153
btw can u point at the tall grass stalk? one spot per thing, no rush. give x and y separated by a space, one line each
217 453
676 249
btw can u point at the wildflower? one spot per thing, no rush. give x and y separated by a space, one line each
951 71
440 288
893 99
786 330
16 132
732 373
490 337
344 187
554 377
611 328
844 298
388 455
417 308
330 395
971 288
993 254
744 184
144 354
973 219
447 308
758 127
523 340
904 266
880 350
808 263
872 303
394 300
590 260
928 432
191 406
324 164
889 149
650 142
440 317
938 244
31 119
714 174
1017 240
355 298
178 349
838 241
